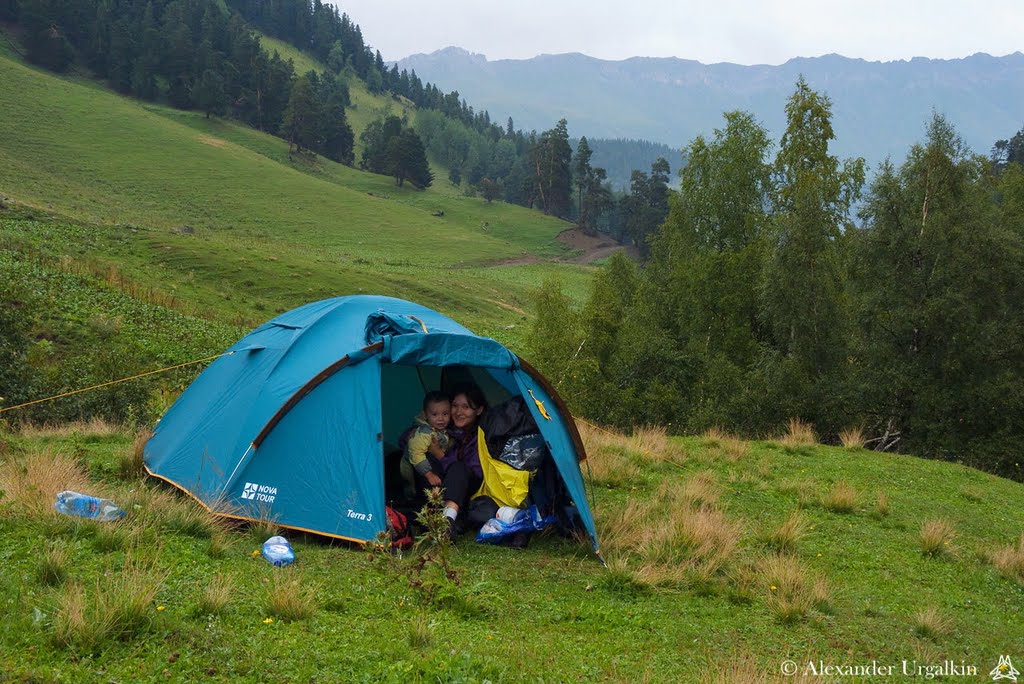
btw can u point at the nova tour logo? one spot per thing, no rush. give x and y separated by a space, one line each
262 493
1004 670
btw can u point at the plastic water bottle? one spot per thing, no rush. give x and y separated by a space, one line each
492 531
85 506
278 551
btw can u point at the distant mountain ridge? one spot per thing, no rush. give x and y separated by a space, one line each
880 108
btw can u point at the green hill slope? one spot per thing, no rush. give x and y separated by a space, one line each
224 217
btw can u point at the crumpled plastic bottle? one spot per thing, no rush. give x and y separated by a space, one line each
277 551
85 506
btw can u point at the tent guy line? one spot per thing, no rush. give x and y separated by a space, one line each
113 382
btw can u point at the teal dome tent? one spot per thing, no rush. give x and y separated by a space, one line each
292 424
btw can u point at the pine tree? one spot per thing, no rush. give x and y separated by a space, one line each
46 43
408 160
1010 151
208 96
338 138
490 190
376 138
646 206
551 161
581 169
301 122
147 61
592 196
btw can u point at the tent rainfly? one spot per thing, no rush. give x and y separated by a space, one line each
293 422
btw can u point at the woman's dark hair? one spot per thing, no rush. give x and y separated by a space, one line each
474 395
435 397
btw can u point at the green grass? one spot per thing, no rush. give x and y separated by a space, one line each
550 613
303 63
109 160
265 231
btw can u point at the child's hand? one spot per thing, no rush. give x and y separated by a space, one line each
433 480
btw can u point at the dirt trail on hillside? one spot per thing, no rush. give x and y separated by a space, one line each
591 248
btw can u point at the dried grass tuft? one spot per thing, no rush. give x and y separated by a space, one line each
119 607
113 536
852 438
972 493
798 434
219 545
714 436
420 634
132 464
741 668
805 490
157 507
936 537
930 623
609 461
94 427
735 449
52 567
216 596
882 506
1009 560
702 490
743 582
652 443
671 538
32 481
792 592
820 595
786 537
842 498
596 438
290 596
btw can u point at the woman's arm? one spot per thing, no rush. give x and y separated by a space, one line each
434 449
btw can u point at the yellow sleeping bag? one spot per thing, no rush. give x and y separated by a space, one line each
503 483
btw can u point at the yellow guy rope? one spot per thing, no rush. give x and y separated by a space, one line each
113 382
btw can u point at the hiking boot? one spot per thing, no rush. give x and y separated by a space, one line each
519 540
453 530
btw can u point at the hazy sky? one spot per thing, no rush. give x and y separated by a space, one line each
741 31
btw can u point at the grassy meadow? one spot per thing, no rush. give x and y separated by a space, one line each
725 558
220 216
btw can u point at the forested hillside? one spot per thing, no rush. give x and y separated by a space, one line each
620 157
888 311
205 56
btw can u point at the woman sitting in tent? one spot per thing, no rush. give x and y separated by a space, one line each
460 464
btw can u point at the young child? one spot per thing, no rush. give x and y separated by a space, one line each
430 425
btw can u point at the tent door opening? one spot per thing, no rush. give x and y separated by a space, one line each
402 391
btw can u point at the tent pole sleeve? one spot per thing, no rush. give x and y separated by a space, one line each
231 478
315 381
